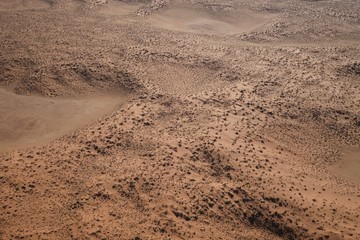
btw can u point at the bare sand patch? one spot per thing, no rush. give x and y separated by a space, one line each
32 120
349 166
207 22
7 5
118 8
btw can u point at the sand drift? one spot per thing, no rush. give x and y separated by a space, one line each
118 8
30 120
204 22
349 166
6 5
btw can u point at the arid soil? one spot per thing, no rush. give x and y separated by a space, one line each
160 119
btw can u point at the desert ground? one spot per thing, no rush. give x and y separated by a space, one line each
180 119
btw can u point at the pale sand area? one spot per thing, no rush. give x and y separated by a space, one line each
19 5
200 21
349 166
34 120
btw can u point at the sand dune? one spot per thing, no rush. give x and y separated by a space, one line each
348 167
119 8
206 22
19 5
32 121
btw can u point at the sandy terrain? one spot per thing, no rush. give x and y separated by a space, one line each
18 5
175 119
31 120
207 22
